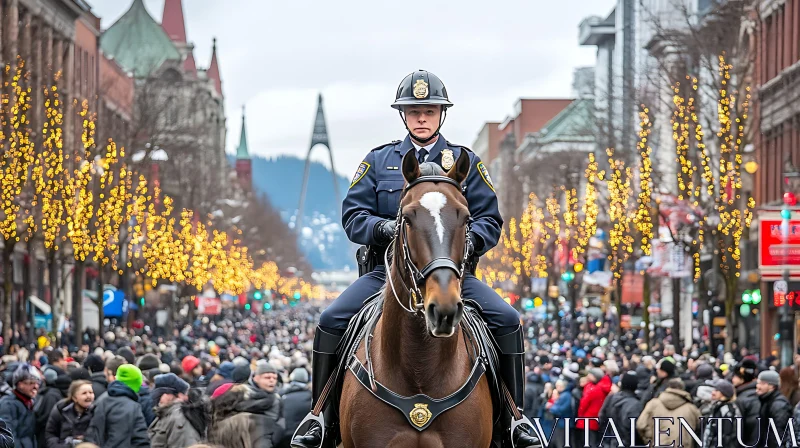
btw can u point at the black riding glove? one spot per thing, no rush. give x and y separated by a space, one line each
384 232
470 245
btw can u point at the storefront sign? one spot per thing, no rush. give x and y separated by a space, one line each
776 251
211 306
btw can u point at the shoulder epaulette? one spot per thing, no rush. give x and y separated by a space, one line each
455 145
392 143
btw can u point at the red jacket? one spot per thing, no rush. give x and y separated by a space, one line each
593 397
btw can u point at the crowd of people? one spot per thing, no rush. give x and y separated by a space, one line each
597 378
240 380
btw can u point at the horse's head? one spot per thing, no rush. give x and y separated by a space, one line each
432 232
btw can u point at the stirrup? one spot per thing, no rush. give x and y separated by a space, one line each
306 423
523 420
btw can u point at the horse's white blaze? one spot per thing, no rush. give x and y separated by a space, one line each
434 202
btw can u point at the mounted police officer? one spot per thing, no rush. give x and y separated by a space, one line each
368 215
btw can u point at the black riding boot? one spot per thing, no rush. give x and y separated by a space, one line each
512 372
322 367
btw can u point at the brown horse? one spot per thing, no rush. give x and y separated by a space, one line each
418 345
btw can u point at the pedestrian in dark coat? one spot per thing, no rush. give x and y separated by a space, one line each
95 365
534 386
70 418
620 407
296 403
664 373
118 421
17 409
723 406
146 402
773 405
744 379
182 416
238 418
564 407
56 386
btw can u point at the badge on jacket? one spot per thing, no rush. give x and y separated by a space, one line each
447 159
360 172
485 175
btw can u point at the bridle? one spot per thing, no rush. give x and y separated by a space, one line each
418 276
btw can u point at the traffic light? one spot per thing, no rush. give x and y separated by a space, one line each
258 295
141 301
747 297
527 303
267 306
751 297
247 306
568 276
297 295
756 294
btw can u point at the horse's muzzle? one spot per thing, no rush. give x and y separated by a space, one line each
443 319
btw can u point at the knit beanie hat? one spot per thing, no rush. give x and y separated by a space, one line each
667 367
770 377
189 363
299 375
127 353
131 376
629 381
94 363
241 374
597 373
704 371
172 382
226 370
80 373
746 370
25 372
264 366
221 390
148 362
725 387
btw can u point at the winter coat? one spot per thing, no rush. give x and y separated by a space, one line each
172 427
239 419
275 409
794 398
297 400
20 419
644 374
620 407
773 405
534 386
99 383
592 401
750 405
46 401
702 399
672 403
6 438
655 389
146 401
118 421
65 424
565 406
721 409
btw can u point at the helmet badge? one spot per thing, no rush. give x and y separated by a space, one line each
420 89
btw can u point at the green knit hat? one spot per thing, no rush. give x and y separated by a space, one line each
131 376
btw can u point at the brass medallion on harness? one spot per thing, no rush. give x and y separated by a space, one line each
420 415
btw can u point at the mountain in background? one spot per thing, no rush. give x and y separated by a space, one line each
323 240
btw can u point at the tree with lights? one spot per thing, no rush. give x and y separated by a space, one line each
645 218
621 213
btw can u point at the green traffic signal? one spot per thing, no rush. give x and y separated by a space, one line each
756 294
297 296
568 276
247 306
267 306
747 297
257 295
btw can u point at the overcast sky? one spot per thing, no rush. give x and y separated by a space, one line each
275 56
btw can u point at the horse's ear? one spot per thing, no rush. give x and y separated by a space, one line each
410 166
460 170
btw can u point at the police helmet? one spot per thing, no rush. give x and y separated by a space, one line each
421 88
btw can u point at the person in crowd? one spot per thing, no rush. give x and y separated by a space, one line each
265 378
664 373
594 394
621 407
112 365
146 401
96 367
118 421
744 379
790 388
241 374
548 397
644 371
534 386
564 407
723 407
239 419
55 388
17 409
56 361
128 354
674 402
181 415
296 398
773 405
6 438
69 420
192 370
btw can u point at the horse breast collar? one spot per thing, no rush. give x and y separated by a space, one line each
420 410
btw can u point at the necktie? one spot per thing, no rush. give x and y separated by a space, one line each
422 154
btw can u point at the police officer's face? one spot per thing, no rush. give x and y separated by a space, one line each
422 120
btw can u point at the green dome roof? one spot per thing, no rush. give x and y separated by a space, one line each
137 42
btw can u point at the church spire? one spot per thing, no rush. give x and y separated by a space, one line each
173 22
213 69
241 151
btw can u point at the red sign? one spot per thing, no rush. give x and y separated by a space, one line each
632 288
774 251
211 306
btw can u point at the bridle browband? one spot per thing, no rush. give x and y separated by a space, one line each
415 299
